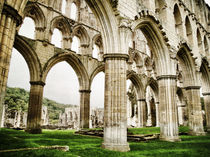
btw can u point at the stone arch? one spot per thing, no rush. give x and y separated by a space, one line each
205 76
105 14
188 66
181 107
30 57
77 4
97 40
100 68
199 41
33 11
82 34
156 41
178 20
154 86
189 32
136 81
74 62
61 24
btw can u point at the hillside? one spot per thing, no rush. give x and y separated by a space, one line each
18 98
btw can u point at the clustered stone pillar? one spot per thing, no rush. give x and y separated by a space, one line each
84 108
115 113
35 107
142 117
10 19
168 108
207 110
194 110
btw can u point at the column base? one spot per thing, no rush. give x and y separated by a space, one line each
116 147
170 139
34 131
197 133
208 129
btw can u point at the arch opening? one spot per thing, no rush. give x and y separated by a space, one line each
75 44
27 31
97 101
73 14
57 38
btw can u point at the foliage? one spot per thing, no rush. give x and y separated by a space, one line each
17 99
88 146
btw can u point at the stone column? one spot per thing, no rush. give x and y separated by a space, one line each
10 18
207 109
194 110
157 114
142 117
84 108
168 109
35 107
67 41
115 113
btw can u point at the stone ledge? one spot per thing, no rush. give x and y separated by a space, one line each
116 147
116 56
192 87
170 139
62 148
166 77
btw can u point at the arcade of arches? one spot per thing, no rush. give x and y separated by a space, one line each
161 46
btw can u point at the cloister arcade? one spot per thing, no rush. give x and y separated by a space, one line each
161 46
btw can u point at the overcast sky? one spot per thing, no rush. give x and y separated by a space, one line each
61 83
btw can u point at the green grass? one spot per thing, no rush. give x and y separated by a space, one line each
86 146
147 130
153 130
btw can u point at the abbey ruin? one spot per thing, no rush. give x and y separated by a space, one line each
161 46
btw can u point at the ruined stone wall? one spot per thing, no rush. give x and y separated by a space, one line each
18 119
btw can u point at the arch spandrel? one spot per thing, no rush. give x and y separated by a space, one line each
74 62
137 81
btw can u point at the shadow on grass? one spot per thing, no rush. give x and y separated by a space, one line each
87 146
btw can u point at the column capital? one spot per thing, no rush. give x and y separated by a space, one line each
116 56
192 87
166 77
8 10
41 83
84 91
141 99
206 93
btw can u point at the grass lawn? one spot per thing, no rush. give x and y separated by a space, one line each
86 146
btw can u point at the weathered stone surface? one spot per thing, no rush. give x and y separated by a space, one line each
146 41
